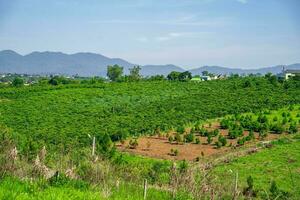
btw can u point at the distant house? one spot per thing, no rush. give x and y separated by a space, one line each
206 78
286 74
196 79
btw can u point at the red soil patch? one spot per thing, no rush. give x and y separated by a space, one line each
161 148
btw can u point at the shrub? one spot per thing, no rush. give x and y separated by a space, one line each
225 123
203 132
277 128
189 137
215 133
283 114
249 190
293 128
291 108
262 119
241 141
209 139
178 138
284 120
183 166
222 140
174 152
180 130
17 82
235 132
263 134
274 190
133 144
197 141
218 144
171 139
251 135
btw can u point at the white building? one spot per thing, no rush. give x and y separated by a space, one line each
286 74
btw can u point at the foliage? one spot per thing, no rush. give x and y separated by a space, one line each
114 72
134 73
133 144
222 140
189 138
279 164
174 152
17 82
63 116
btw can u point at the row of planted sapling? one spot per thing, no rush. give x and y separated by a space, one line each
234 130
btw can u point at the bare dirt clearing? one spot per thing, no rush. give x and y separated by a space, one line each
160 147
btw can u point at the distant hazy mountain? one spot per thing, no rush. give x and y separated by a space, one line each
91 64
150 70
223 70
85 64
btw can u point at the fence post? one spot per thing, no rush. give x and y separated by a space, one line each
236 186
145 188
94 146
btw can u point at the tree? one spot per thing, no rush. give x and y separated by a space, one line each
251 135
205 73
173 76
189 137
249 190
134 73
293 128
178 138
105 145
218 144
185 76
53 81
171 139
156 78
209 139
222 140
275 192
17 82
114 72
174 152
133 144
263 134
181 129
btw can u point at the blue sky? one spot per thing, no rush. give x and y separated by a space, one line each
188 33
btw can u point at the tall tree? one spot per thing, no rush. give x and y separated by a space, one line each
173 76
205 73
114 72
185 76
17 82
134 73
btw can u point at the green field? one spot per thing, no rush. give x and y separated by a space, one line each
64 119
22 190
280 163
65 115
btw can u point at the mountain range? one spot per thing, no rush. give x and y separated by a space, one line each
91 64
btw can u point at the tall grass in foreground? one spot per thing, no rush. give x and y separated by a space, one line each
13 188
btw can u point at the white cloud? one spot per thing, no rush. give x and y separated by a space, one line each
188 20
174 35
242 1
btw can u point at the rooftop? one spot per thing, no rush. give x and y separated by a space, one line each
292 71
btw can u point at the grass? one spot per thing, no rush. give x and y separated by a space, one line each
12 188
280 164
